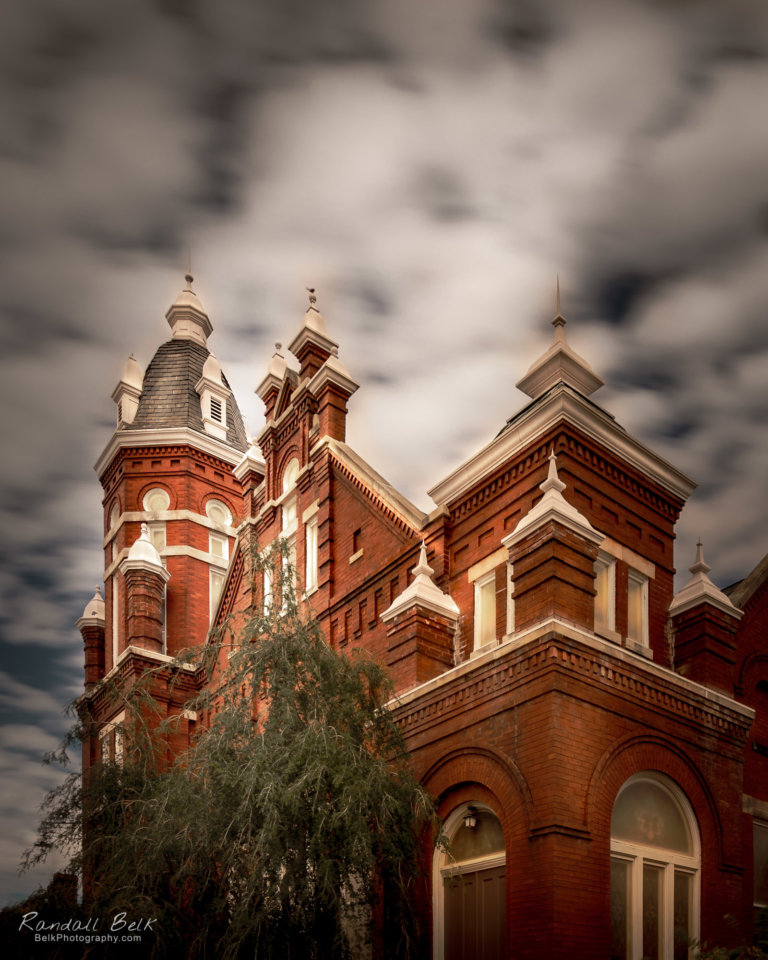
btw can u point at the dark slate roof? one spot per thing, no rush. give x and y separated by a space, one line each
169 398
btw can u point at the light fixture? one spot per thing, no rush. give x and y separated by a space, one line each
470 820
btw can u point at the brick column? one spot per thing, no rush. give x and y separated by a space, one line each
704 623
91 626
421 627
145 580
553 551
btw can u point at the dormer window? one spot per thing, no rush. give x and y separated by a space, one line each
213 399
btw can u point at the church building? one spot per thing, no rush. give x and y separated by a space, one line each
596 743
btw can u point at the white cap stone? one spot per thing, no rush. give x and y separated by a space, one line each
700 589
422 592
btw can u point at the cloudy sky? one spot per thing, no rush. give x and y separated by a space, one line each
430 167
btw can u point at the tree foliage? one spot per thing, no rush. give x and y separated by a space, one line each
289 826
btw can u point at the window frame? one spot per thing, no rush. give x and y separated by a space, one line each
311 569
670 863
214 592
640 580
608 562
481 584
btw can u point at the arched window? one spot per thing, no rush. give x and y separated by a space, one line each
155 501
655 865
469 887
289 517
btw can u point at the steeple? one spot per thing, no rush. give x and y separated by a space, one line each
312 346
186 316
560 363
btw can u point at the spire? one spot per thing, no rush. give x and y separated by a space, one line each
700 589
560 363
275 374
422 592
186 316
311 345
552 506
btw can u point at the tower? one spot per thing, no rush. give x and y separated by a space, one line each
171 504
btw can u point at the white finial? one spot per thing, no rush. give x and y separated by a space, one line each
553 482
312 298
699 565
278 348
422 567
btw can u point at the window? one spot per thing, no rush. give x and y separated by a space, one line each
289 510
157 535
510 599
111 745
218 545
310 544
115 617
156 500
267 590
637 607
605 595
760 837
485 609
655 861
218 513
216 586
217 410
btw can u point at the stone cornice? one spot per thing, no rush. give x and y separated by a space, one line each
555 645
561 403
172 436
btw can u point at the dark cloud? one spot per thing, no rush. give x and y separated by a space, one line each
523 27
430 168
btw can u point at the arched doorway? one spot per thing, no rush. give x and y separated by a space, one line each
469 887
655 867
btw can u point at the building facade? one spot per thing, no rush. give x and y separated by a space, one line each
597 744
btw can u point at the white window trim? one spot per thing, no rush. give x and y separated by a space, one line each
608 630
638 854
639 578
311 569
213 604
480 583
510 599
214 536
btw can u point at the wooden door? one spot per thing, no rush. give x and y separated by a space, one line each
474 915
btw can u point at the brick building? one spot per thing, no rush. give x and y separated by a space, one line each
597 744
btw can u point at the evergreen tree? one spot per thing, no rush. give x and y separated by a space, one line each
290 825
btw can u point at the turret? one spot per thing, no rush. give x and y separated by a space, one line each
704 624
145 580
91 627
